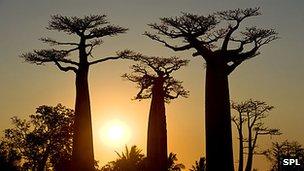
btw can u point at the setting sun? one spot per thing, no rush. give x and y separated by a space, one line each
115 133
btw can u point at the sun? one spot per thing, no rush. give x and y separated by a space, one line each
115 133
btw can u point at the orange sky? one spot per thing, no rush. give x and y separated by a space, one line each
275 76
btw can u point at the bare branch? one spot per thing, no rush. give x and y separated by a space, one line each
109 30
92 44
152 71
53 42
144 82
42 56
104 59
65 69
188 27
126 54
238 14
175 48
69 25
47 55
172 87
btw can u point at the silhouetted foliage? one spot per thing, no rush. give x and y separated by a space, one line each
172 165
90 31
199 165
153 77
215 38
133 160
285 150
44 141
9 159
251 115
150 70
130 160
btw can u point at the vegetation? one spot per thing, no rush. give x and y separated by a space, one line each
172 166
42 142
153 77
90 31
251 115
199 165
133 160
58 138
215 38
130 160
285 150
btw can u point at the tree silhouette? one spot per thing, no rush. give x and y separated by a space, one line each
251 114
285 150
9 158
43 141
199 165
133 160
90 31
130 160
172 166
153 77
214 38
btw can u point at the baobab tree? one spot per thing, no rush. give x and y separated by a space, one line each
89 31
153 77
251 115
214 38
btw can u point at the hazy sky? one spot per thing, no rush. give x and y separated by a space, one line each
275 76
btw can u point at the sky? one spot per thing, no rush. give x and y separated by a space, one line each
275 76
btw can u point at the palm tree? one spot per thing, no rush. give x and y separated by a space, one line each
172 166
130 160
199 165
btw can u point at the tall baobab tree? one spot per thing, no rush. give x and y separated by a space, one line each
153 77
214 38
251 114
89 31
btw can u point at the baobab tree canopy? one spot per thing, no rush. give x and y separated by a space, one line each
212 35
149 69
90 30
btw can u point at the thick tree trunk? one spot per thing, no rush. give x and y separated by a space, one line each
157 132
219 154
83 155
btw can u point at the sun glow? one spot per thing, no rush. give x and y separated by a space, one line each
115 133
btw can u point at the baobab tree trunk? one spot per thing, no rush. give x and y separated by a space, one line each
157 131
83 155
219 154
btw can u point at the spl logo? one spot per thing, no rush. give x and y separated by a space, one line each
290 162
